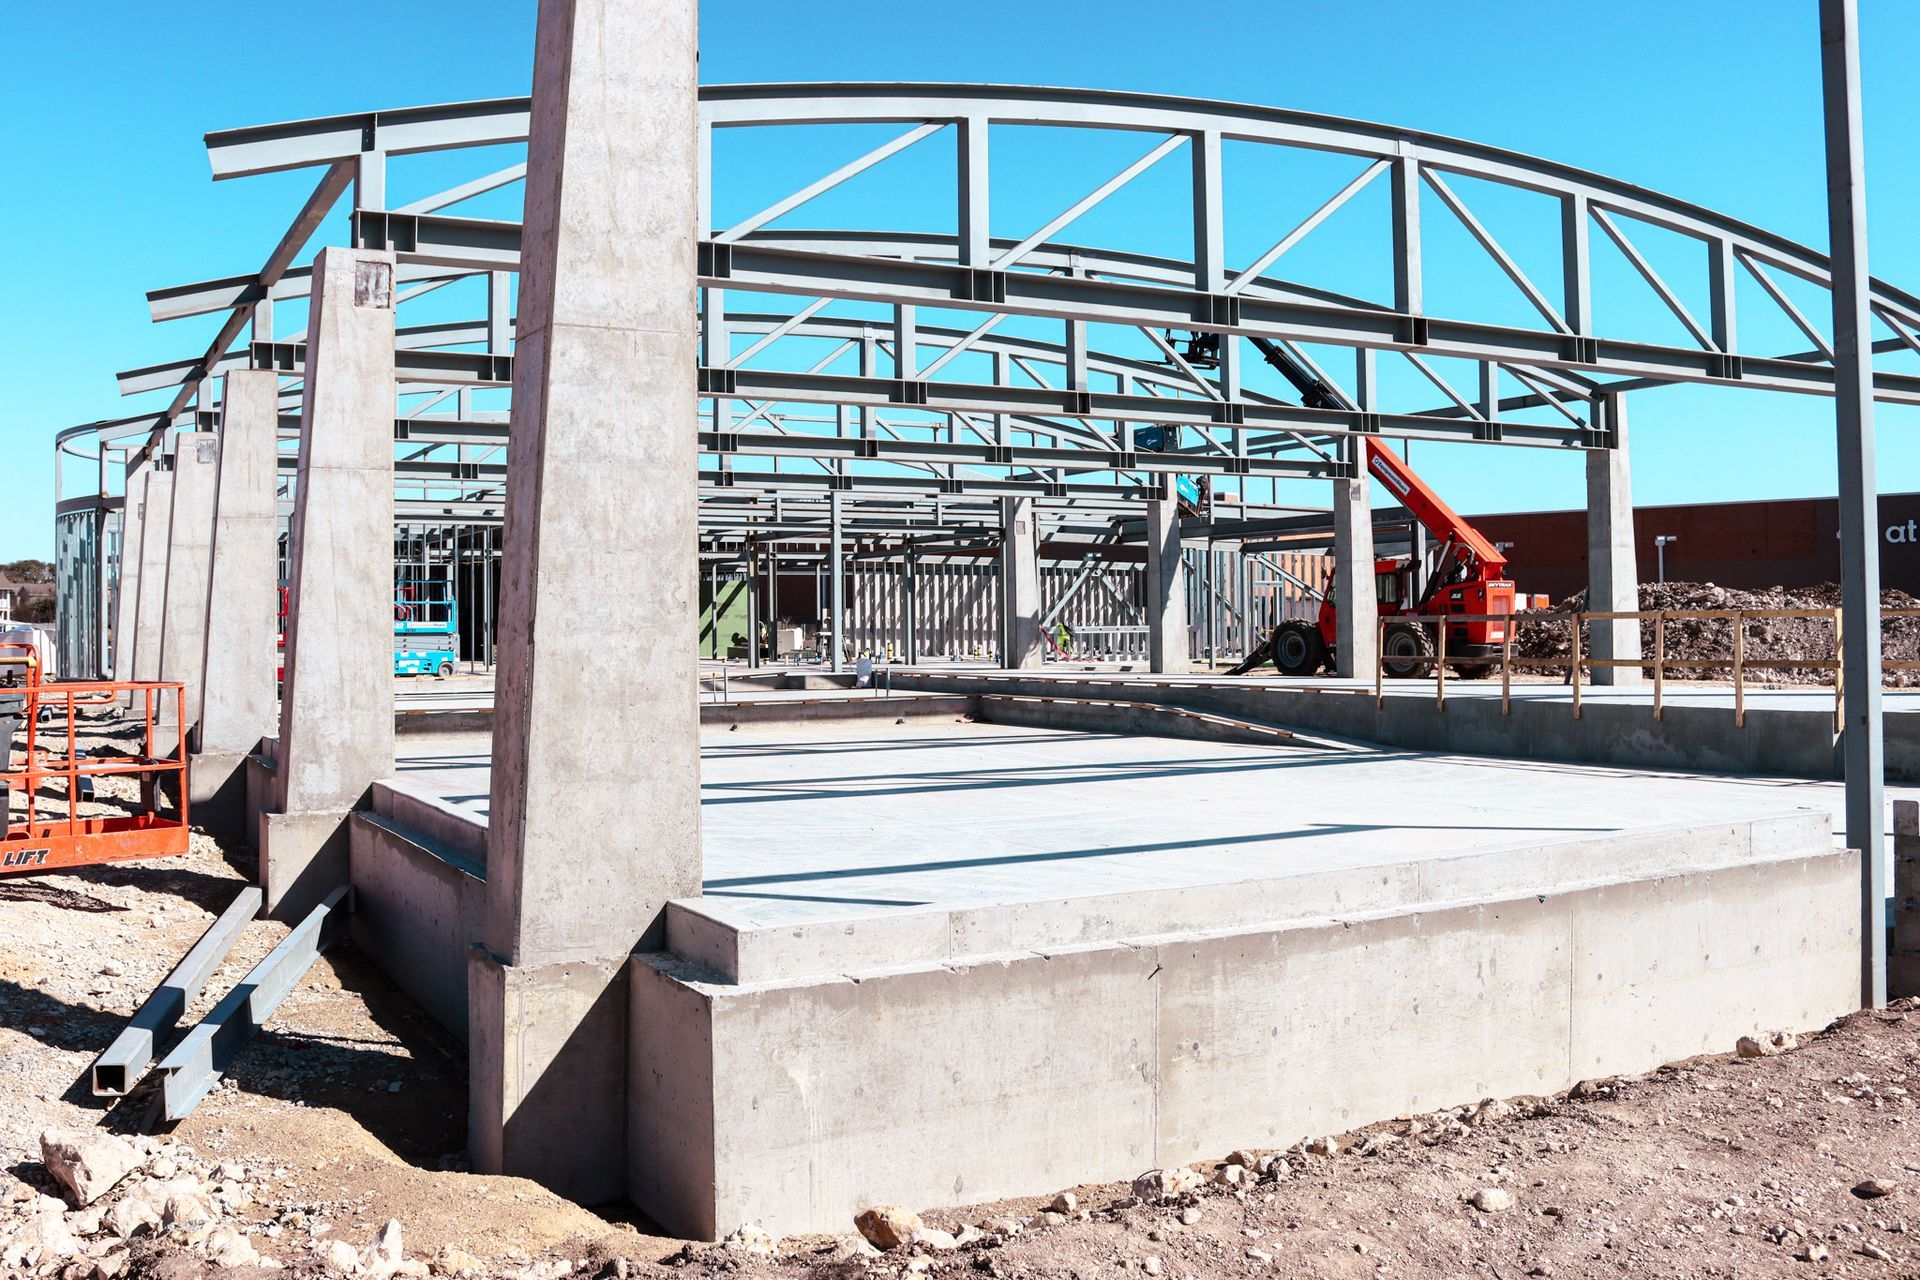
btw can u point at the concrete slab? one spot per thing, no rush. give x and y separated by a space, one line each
820 822
1111 952
476 692
1785 731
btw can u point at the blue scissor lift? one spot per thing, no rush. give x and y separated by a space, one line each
426 628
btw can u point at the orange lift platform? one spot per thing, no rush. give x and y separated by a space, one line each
44 785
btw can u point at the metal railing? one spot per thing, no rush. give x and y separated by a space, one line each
42 842
1660 663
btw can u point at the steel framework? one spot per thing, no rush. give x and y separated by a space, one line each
923 374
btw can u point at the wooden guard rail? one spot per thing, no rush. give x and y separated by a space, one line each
1659 661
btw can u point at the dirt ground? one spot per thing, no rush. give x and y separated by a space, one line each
347 1112
1718 1166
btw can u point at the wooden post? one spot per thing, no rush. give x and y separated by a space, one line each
1379 668
1506 667
1839 678
1659 663
1576 665
1739 659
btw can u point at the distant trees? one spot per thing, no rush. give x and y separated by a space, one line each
30 606
27 571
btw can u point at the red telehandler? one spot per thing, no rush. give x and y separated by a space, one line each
1468 577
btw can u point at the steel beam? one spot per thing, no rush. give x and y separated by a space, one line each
116 1069
1861 746
199 1060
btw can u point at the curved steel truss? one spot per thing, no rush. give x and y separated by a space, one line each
935 362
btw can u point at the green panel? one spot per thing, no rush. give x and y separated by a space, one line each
732 614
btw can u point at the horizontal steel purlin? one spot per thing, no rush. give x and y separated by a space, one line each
468 368
973 487
439 240
855 448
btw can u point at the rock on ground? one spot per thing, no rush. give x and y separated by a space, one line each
1491 1200
87 1165
888 1226
1158 1185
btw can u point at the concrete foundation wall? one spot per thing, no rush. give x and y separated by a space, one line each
1794 743
1150 719
724 938
792 710
1024 1072
419 878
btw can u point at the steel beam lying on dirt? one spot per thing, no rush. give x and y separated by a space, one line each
115 1070
203 1056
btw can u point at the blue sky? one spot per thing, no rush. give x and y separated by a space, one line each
1716 102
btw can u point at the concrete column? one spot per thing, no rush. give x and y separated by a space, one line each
1168 650
239 701
910 566
837 566
1903 958
1020 644
773 601
1355 602
1210 597
336 709
753 608
595 819
183 631
1613 578
149 617
127 594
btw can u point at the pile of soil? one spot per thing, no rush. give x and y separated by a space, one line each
1705 645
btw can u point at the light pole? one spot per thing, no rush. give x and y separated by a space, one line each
1660 551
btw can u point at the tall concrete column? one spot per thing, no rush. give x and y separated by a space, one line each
183 632
149 616
336 708
910 604
1613 577
837 566
753 608
1168 647
1020 644
133 509
772 614
1355 602
239 703
595 819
